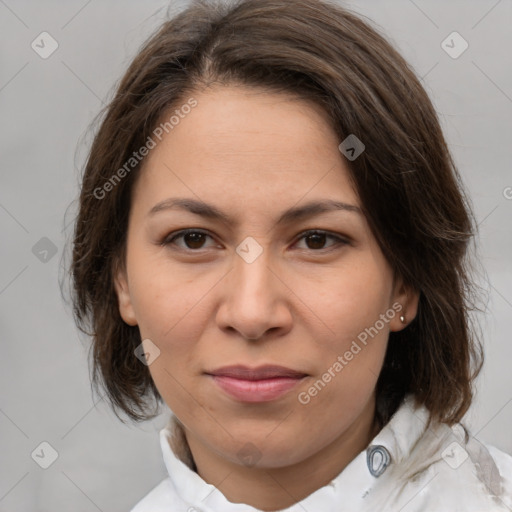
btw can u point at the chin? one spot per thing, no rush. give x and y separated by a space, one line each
264 451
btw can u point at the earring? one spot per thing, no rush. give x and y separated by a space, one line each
402 319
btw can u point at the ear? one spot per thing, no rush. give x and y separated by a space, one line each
405 303
123 297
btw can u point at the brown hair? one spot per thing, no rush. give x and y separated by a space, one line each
407 181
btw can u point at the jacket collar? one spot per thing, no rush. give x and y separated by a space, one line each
389 448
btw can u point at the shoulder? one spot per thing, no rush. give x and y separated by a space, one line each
452 470
435 467
159 499
503 462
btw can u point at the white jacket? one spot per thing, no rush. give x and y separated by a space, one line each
405 468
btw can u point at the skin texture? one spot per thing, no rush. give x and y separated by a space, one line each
300 304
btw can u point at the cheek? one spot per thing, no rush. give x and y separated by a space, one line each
351 304
166 296
350 300
172 309
350 358
171 314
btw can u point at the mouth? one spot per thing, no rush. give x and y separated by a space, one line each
261 384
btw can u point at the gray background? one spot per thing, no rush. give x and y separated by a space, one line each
46 107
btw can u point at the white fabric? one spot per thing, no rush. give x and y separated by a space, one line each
427 472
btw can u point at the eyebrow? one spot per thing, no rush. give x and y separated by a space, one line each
293 214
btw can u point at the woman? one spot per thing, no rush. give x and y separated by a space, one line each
272 240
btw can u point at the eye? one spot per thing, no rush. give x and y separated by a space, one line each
192 238
315 239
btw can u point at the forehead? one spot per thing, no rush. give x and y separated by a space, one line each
248 146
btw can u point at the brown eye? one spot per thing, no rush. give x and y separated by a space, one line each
316 240
192 239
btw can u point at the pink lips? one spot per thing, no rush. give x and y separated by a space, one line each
261 384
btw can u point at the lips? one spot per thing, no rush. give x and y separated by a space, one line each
259 373
261 384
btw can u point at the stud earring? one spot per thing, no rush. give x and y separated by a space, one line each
402 319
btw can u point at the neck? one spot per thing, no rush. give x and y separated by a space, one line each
276 488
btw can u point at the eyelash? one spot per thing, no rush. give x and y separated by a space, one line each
340 241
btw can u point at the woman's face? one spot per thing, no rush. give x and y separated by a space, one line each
251 288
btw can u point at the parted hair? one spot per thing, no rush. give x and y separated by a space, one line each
410 189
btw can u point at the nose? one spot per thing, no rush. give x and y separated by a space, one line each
255 300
